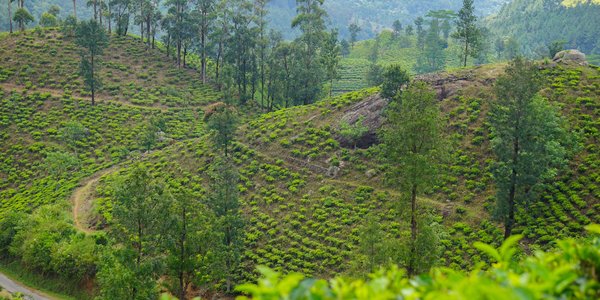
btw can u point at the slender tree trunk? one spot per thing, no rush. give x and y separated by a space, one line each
148 30
75 9
203 52
95 10
109 18
413 230
331 88
510 219
182 286
466 52
179 53
184 54
93 83
100 16
10 16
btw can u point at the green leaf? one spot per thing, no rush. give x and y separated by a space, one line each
593 228
508 247
487 249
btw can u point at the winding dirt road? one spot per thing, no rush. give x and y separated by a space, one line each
81 199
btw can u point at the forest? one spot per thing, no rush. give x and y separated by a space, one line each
206 150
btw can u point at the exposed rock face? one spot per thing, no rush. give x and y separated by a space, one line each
370 111
571 57
446 86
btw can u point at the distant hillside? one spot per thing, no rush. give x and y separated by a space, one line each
534 24
373 15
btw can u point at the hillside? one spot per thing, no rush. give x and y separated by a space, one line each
305 197
51 135
132 73
536 24
306 194
372 16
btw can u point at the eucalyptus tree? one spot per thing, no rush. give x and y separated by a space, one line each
467 31
205 16
529 139
331 56
93 39
414 144
354 29
310 20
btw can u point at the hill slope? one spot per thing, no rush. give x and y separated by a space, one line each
305 197
51 137
131 72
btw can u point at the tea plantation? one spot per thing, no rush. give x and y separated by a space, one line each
305 197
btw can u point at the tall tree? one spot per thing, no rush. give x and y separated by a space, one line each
75 9
93 39
311 22
354 30
22 17
223 124
331 58
466 31
193 242
121 14
139 225
414 146
224 201
419 21
179 20
397 27
529 139
240 49
432 58
260 11
10 15
220 36
206 17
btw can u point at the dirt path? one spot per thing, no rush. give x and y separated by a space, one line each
82 199
15 287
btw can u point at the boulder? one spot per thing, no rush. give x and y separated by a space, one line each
370 112
571 57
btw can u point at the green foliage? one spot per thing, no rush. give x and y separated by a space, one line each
22 17
394 79
568 273
354 132
91 36
467 31
529 139
140 226
223 123
48 20
224 202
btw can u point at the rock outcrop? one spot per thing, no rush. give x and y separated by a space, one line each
570 57
370 112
